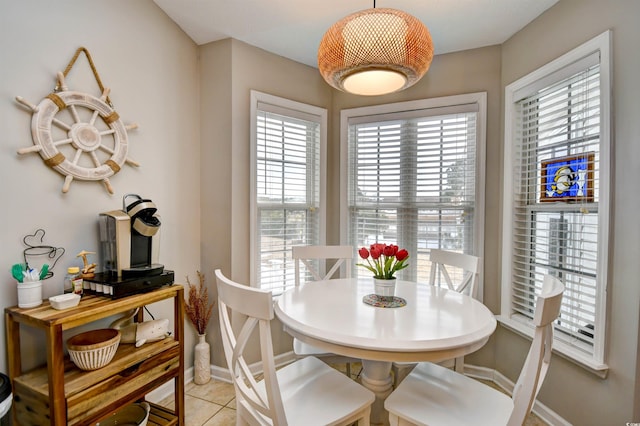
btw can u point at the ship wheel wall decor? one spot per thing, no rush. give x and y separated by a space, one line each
79 135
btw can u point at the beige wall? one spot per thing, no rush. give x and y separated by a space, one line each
151 67
579 396
230 70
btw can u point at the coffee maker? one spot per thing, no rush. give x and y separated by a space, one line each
129 249
129 239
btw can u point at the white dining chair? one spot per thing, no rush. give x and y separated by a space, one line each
437 396
306 392
311 260
458 272
314 258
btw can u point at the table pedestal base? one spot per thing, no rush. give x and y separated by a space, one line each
376 376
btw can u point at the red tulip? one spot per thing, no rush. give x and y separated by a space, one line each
377 246
401 255
375 252
390 250
363 252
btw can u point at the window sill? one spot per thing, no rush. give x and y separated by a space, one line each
559 348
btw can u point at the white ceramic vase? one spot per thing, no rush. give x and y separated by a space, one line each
202 361
384 288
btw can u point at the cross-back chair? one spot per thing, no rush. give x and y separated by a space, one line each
437 396
306 392
447 263
305 258
458 272
306 255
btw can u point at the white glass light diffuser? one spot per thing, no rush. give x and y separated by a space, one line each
374 82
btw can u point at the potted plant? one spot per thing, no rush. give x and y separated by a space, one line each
198 311
384 260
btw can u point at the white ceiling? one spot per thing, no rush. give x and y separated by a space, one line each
294 28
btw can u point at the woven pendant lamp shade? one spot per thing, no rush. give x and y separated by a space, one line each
375 51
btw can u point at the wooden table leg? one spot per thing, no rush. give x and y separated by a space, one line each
13 346
376 376
179 336
55 366
14 357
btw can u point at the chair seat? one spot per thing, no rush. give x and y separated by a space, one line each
315 394
435 395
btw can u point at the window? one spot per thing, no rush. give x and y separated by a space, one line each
556 196
414 175
288 146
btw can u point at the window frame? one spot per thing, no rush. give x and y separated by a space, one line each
297 110
544 76
448 104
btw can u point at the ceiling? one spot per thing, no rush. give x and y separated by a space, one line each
294 28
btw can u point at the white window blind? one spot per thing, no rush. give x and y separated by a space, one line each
413 180
287 189
556 220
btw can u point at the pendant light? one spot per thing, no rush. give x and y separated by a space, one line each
375 52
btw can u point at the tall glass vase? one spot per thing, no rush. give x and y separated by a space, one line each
202 361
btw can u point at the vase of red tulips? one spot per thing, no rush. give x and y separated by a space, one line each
384 260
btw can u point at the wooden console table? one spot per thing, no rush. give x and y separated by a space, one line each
59 393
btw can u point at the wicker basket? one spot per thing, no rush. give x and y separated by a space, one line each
93 349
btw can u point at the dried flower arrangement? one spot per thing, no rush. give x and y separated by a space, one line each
198 308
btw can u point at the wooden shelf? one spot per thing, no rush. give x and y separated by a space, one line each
161 416
61 393
92 307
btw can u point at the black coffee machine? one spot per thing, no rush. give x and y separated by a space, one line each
129 249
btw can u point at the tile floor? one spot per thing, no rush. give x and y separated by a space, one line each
207 405
213 404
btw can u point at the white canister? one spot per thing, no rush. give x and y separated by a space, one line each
29 294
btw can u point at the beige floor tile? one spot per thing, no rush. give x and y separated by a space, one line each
215 391
198 411
232 404
224 417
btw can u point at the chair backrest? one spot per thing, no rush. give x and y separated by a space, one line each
264 402
536 365
307 254
448 263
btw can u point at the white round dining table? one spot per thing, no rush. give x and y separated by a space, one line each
435 324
